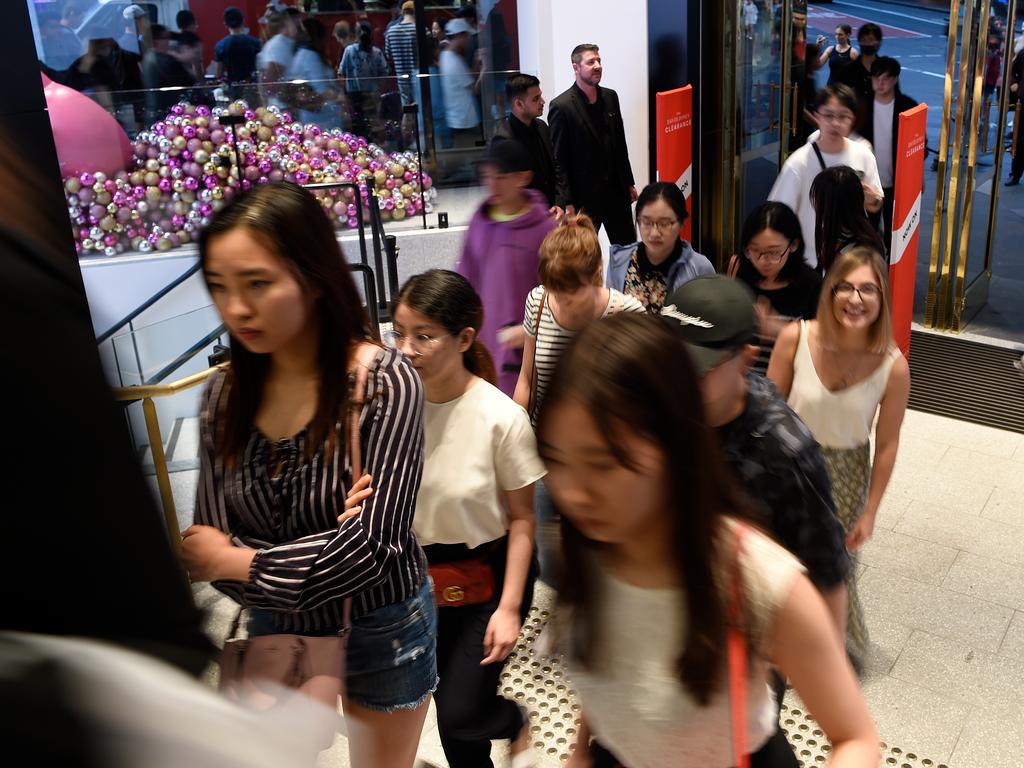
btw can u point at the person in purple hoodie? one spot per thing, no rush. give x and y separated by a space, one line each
499 257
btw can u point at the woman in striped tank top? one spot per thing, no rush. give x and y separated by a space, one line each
570 297
272 530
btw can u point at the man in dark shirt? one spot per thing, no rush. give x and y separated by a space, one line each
236 54
525 126
771 451
857 74
161 69
590 146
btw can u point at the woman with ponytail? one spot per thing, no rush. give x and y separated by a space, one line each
474 513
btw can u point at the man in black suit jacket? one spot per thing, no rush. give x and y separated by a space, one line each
883 133
590 146
525 126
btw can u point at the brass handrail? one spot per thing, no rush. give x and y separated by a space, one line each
162 390
146 393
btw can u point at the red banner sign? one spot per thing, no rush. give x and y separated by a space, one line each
674 119
906 220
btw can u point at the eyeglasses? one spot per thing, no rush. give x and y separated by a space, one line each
661 225
868 292
835 117
420 343
769 257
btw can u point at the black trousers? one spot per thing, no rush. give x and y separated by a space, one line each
615 212
1017 166
470 713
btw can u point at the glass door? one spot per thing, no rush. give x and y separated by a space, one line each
753 80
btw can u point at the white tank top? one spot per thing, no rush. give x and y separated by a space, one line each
839 419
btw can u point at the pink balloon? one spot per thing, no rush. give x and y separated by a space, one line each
88 139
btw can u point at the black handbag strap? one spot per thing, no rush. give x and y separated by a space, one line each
821 158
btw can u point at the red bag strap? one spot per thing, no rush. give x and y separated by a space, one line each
737 653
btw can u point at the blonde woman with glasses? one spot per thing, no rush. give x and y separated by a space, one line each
838 371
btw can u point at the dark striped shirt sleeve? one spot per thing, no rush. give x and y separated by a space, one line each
313 570
211 508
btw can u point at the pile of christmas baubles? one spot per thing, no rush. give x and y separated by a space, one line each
186 169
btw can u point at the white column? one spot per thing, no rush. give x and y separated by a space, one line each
550 29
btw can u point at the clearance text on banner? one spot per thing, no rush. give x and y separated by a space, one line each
674 118
906 219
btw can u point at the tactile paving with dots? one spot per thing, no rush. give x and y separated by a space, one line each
540 686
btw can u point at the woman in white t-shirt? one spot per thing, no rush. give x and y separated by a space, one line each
653 550
570 297
474 514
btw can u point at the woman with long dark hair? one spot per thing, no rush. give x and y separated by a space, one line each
772 264
841 223
654 549
838 372
474 514
316 98
275 469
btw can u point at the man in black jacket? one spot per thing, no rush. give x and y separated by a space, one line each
590 146
881 127
525 126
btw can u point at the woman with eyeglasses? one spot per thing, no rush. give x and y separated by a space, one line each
474 512
837 372
772 264
653 267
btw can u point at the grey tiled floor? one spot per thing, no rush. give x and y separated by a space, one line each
943 587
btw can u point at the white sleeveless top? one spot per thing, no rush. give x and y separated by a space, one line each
840 419
634 702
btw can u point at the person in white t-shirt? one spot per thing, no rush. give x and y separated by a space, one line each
750 18
835 110
474 512
882 129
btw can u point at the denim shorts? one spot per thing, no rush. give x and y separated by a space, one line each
391 654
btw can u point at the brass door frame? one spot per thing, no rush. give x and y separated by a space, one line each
951 301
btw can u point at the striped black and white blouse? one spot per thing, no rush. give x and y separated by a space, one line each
306 563
552 339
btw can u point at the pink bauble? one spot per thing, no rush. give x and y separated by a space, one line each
87 137
353 222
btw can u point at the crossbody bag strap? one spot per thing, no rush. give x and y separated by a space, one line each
536 349
737 654
364 359
821 157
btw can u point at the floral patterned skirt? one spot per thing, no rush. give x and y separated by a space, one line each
849 470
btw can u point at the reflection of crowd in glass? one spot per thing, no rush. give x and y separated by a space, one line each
364 90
